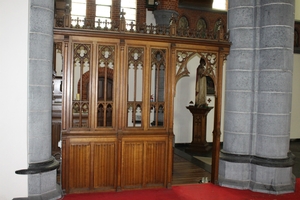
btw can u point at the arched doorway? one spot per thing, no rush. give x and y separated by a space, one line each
187 62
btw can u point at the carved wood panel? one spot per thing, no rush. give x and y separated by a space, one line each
144 162
104 165
155 163
79 165
132 164
90 164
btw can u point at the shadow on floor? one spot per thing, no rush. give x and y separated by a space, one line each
180 151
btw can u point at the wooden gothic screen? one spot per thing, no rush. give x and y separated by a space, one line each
118 103
115 122
118 87
117 113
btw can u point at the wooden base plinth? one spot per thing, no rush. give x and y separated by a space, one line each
198 148
199 143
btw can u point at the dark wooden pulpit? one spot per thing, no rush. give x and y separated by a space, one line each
199 143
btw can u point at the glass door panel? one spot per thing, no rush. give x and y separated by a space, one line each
105 85
135 86
157 96
81 85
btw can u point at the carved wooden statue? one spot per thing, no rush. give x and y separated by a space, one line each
200 96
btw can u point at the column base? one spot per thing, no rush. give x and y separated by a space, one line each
42 185
272 176
52 195
269 188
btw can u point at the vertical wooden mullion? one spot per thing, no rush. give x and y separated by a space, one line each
105 95
167 88
156 91
116 84
98 112
92 156
121 82
119 163
166 52
71 85
93 93
133 112
134 96
80 90
65 106
171 74
147 87
65 165
144 167
217 118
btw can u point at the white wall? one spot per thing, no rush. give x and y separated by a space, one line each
185 92
295 116
13 100
297 10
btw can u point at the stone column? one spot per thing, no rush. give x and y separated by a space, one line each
255 152
42 167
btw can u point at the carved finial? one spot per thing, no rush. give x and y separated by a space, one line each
122 14
220 24
220 29
173 19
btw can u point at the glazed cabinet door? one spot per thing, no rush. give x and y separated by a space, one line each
93 95
147 81
81 85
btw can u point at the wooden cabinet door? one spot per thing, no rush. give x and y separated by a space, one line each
143 162
132 164
155 163
79 168
91 164
104 165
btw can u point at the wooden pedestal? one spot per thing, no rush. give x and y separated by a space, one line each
199 143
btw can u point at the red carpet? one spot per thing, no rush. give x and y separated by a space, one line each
187 192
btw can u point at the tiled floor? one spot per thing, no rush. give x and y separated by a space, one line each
180 150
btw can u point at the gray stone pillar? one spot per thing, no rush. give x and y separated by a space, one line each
255 152
42 170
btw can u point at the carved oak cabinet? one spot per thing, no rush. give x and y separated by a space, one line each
116 130
118 104
118 88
